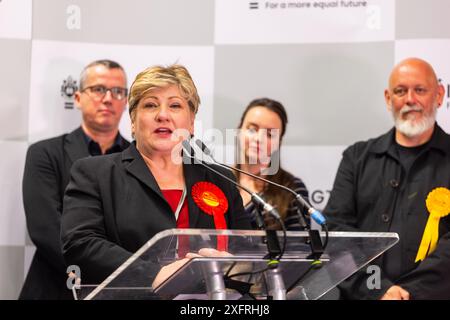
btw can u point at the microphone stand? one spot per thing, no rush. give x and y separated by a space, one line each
273 245
315 242
275 283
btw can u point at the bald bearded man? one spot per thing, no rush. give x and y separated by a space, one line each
382 186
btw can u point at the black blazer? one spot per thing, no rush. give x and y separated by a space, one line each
46 175
113 205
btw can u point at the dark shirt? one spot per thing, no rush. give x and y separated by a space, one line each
406 157
94 148
45 178
113 205
291 218
374 192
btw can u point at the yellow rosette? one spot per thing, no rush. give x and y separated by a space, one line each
438 205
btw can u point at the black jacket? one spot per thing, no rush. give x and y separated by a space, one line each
113 205
373 192
46 176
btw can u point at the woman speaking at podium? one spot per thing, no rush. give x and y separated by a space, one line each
114 204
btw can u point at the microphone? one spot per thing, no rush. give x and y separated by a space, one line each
255 198
272 242
317 248
316 215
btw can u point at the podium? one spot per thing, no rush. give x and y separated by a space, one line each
244 272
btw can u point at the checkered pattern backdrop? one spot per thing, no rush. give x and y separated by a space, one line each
326 61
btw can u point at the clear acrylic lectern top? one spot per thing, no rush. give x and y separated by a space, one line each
294 278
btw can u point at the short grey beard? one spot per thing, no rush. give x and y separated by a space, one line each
414 128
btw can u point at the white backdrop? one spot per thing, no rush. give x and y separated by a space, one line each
326 61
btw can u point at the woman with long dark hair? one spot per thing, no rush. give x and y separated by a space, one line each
262 127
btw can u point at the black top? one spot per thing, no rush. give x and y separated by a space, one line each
291 218
406 157
113 205
45 178
373 192
94 149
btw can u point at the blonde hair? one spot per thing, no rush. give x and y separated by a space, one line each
160 77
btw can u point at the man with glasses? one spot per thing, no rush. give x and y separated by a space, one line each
399 182
102 100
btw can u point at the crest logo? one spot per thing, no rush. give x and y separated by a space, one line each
68 89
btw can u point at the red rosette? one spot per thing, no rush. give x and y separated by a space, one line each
211 200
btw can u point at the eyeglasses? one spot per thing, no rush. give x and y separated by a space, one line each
98 92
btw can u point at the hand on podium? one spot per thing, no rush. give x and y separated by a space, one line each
171 268
213 253
396 293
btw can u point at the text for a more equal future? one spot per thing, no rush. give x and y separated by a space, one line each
313 4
